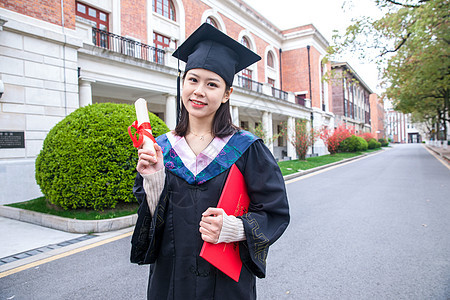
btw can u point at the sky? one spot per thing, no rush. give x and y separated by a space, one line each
326 16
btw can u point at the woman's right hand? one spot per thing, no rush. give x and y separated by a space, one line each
149 161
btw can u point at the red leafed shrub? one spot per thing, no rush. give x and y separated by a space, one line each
367 136
332 139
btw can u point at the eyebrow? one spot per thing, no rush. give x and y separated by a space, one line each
208 79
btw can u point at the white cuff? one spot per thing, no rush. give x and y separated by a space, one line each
153 186
232 230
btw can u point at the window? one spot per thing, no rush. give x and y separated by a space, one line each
345 107
246 73
280 137
245 42
211 21
247 79
164 8
270 61
271 82
300 99
160 42
99 17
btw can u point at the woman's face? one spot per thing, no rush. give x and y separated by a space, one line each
203 93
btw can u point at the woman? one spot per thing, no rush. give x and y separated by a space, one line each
179 186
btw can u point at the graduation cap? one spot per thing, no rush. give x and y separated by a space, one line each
209 48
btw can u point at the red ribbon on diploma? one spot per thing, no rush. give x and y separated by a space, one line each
141 131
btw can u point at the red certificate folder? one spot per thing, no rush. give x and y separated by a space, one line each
234 201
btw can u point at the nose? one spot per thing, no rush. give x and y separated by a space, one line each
199 91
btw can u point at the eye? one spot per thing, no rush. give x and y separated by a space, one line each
212 84
192 79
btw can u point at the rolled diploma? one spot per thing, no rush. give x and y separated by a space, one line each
142 117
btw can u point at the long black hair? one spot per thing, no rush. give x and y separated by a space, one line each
222 123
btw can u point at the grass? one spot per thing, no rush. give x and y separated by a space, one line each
42 205
294 166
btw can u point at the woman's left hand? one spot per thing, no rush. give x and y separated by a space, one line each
211 224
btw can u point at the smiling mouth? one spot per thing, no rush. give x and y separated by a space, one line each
198 102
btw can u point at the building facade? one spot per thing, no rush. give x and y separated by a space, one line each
57 56
377 117
400 128
351 103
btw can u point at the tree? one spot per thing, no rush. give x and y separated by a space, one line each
304 138
411 45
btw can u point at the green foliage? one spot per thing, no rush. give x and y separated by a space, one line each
373 144
353 144
383 142
303 139
333 139
88 159
43 206
260 132
411 45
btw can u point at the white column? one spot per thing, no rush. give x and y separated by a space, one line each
290 137
171 112
251 124
267 127
85 95
235 115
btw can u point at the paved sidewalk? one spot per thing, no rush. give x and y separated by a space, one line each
441 151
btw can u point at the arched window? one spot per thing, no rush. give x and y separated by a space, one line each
246 73
270 61
164 8
212 22
245 42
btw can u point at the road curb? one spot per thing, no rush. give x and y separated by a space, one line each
309 171
445 157
66 224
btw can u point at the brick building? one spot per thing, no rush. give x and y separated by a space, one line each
351 103
57 56
377 116
399 127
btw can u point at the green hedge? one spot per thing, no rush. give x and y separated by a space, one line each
373 144
88 159
384 142
353 144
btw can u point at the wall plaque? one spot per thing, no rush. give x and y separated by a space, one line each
12 139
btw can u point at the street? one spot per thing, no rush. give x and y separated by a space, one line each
374 228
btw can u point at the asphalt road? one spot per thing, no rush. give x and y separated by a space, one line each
375 228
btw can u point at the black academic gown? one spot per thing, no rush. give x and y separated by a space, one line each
171 242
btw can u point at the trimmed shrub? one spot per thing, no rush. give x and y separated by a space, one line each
353 144
333 139
373 144
362 145
384 142
88 159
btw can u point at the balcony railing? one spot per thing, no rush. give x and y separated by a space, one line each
249 84
123 45
300 100
279 94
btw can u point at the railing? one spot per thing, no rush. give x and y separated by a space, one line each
279 94
123 45
300 100
249 84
